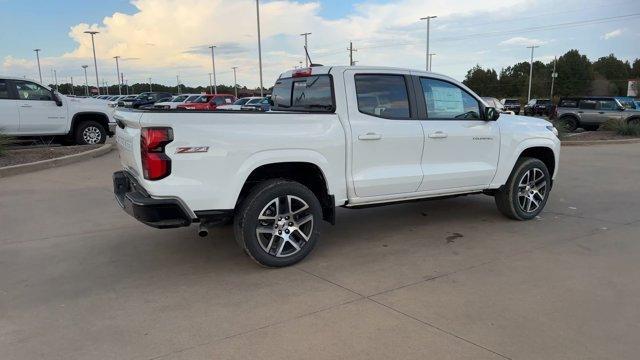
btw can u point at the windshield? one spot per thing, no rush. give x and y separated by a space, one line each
202 99
511 102
143 95
253 101
313 93
241 101
626 102
544 102
179 98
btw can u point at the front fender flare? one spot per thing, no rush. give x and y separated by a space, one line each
508 160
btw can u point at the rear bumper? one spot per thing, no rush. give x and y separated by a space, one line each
158 213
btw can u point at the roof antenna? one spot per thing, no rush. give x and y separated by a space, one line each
311 64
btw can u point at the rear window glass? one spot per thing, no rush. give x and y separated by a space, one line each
568 103
511 102
313 93
4 89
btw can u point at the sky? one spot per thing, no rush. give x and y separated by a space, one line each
162 39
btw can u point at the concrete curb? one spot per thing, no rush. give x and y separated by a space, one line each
600 142
51 163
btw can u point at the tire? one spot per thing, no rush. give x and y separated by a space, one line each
287 231
634 121
90 133
569 122
511 199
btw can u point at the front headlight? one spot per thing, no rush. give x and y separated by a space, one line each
552 129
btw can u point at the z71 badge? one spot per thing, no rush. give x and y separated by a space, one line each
191 149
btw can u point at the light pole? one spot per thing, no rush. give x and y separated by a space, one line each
213 66
210 85
38 59
95 62
554 75
431 60
259 46
72 92
178 81
306 47
86 80
351 50
531 70
428 18
118 75
235 82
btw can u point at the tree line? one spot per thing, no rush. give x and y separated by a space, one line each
577 75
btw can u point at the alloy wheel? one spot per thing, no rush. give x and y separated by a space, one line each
532 190
285 225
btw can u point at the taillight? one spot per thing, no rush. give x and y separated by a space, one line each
156 164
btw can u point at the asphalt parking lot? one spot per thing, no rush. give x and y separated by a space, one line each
448 279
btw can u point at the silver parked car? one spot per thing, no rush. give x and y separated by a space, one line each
590 112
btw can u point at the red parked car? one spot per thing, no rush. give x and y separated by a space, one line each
208 102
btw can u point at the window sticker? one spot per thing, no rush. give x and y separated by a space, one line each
447 99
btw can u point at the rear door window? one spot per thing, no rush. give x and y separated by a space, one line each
382 95
313 93
587 104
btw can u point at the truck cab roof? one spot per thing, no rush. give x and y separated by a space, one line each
323 70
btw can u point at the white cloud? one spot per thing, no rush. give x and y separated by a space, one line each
612 34
165 38
522 41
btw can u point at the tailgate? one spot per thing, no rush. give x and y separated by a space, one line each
128 140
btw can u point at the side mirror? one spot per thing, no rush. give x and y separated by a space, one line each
491 114
56 98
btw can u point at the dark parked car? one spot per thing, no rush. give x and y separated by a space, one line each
538 107
145 98
259 105
590 112
511 105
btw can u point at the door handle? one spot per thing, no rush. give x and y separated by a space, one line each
370 136
580 112
25 105
438 135
600 112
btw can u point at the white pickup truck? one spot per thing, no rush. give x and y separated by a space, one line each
338 136
29 109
